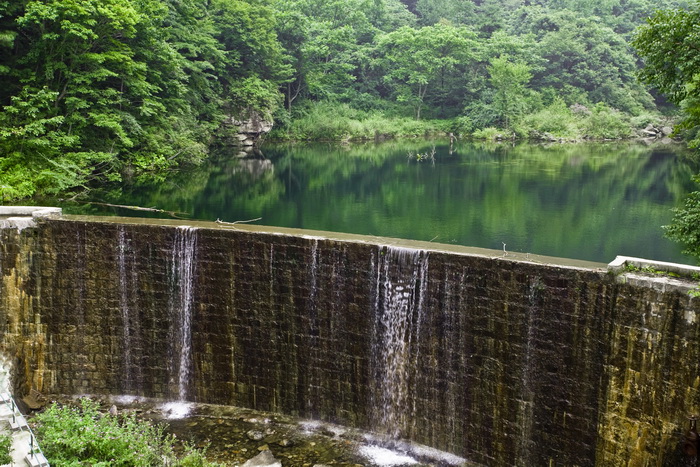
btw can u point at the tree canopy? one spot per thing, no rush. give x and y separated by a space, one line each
669 43
94 89
99 90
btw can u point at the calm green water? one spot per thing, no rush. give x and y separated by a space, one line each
589 202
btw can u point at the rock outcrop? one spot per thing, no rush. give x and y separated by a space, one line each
250 128
656 132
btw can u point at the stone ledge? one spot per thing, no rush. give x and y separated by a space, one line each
22 217
683 270
682 277
30 211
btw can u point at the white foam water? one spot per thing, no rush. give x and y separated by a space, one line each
125 399
424 455
311 426
176 410
383 457
440 456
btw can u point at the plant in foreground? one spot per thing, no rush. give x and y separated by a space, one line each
81 435
5 449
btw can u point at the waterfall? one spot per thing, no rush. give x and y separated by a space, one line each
133 374
527 401
5 374
314 332
125 310
400 289
313 270
182 277
453 291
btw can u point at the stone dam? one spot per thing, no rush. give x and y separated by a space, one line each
499 358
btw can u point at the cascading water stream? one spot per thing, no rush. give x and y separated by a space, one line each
313 270
182 277
401 282
5 372
526 403
313 381
131 332
125 310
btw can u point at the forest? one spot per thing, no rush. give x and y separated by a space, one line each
102 90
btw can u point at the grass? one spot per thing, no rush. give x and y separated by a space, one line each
561 123
329 121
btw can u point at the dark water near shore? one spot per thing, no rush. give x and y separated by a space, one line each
583 201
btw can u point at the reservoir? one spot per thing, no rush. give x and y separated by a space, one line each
582 201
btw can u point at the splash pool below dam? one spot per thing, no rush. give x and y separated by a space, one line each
499 358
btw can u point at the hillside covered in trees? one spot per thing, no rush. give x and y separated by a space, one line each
103 89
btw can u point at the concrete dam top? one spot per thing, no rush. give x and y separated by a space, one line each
502 358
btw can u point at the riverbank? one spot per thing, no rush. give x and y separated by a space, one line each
327 121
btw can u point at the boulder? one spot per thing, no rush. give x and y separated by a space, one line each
255 435
264 459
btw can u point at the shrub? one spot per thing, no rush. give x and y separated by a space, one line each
5 449
556 119
82 435
607 123
642 120
462 126
193 457
685 228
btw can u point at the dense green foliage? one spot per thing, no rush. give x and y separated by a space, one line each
686 224
670 45
84 436
5 449
94 90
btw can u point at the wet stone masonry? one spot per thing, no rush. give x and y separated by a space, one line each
502 362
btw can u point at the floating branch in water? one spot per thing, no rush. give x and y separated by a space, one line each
178 215
219 221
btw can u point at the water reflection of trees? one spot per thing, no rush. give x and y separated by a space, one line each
496 193
580 201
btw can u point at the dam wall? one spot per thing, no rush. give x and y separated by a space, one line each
499 359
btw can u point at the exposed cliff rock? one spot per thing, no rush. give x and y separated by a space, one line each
249 128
